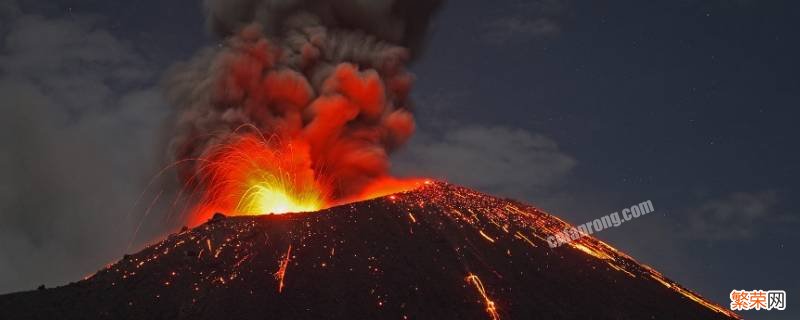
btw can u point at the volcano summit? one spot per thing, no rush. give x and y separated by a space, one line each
437 252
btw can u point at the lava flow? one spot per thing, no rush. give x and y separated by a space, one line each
436 252
297 109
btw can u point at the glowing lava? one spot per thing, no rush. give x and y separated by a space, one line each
252 175
437 252
263 197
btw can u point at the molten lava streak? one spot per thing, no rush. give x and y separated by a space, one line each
252 175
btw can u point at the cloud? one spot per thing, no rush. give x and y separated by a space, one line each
496 159
79 120
735 216
528 21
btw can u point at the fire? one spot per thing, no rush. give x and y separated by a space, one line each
320 132
386 186
253 175
262 198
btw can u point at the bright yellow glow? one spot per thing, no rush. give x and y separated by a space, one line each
264 198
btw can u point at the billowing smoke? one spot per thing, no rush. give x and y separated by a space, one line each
326 76
398 22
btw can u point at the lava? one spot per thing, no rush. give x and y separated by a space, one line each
282 269
255 175
252 175
263 134
359 260
490 307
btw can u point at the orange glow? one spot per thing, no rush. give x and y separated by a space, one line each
312 140
521 236
386 186
486 236
490 307
282 269
252 175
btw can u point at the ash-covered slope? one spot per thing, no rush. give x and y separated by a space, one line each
439 252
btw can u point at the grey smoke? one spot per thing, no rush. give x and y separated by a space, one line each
314 38
78 140
80 116
404 23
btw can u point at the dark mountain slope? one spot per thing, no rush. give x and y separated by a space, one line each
439 252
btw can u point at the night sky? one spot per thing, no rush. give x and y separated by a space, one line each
581 108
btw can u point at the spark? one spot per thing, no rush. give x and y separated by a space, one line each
487 215
618 268
591 251
486 236
521 236
253 175
282 269
490 307
141 220
265 198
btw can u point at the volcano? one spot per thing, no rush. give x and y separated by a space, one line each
436 252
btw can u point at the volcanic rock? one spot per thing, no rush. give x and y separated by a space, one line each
438 252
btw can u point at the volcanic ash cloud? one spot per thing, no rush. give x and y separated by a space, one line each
322 86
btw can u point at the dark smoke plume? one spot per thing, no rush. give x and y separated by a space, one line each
400 22
328 75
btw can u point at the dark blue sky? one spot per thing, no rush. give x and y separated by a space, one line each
690 104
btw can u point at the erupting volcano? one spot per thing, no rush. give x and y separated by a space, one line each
251 176
285 129
436 252
298 108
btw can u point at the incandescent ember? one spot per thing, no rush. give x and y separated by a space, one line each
436 252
